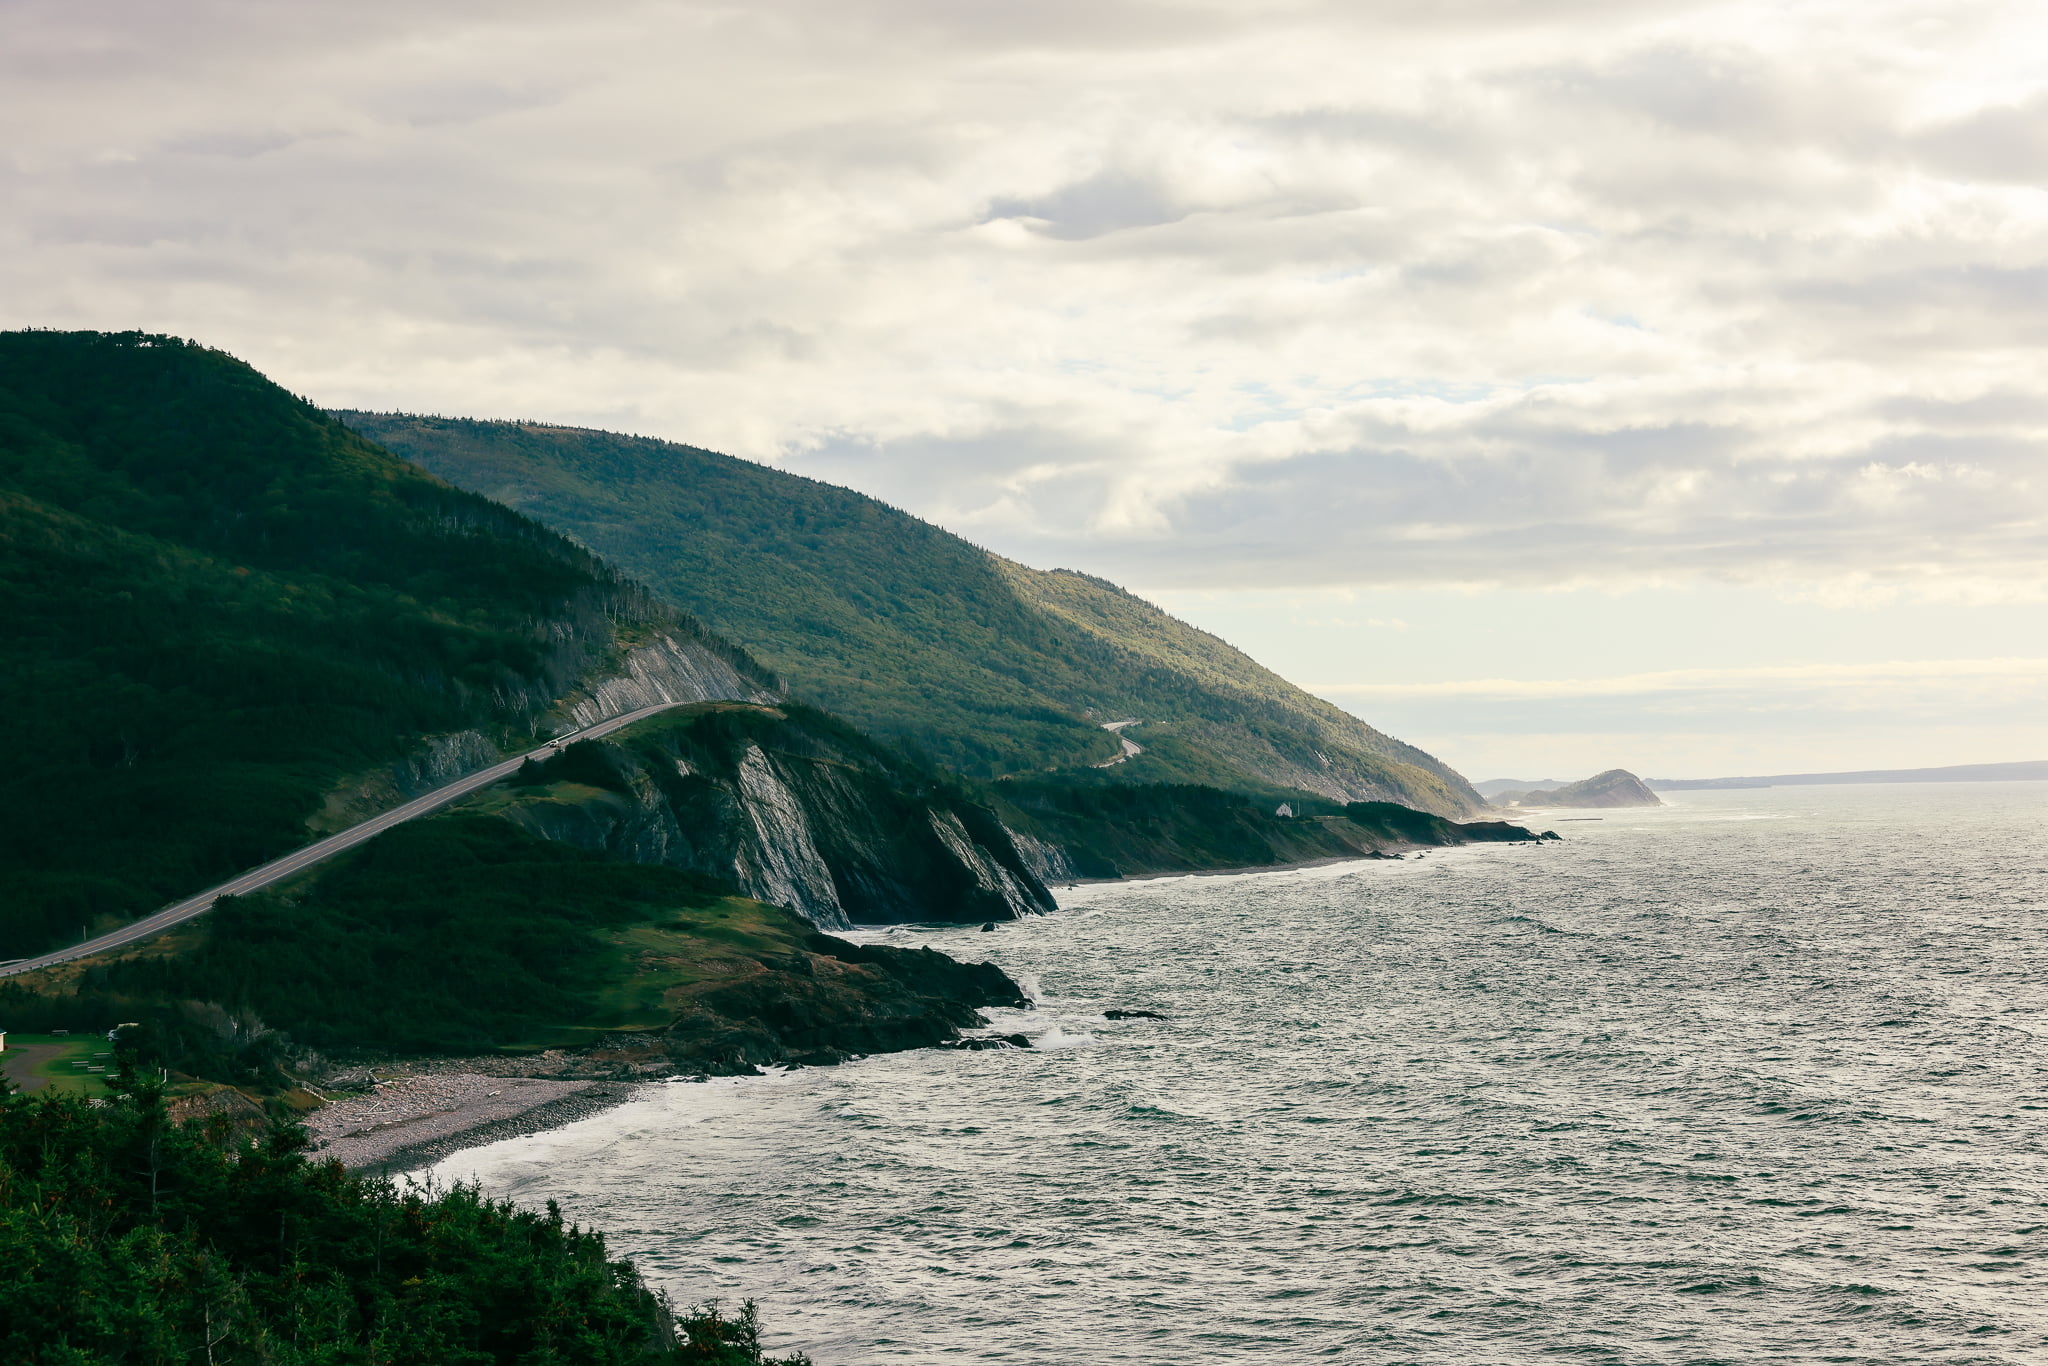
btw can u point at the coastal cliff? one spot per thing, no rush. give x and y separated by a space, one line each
1112 831
789 806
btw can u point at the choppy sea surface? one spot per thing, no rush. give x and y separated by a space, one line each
1756 1077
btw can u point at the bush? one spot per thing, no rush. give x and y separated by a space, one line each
125 1237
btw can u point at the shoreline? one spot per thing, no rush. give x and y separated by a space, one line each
1386 856
420 1118
414 1121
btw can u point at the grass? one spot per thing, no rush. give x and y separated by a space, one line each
663 963
63 1072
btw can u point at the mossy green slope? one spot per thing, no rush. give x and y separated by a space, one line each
912 632
218 602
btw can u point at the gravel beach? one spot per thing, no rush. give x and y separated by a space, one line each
414 1120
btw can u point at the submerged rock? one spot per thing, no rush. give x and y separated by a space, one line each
988 1041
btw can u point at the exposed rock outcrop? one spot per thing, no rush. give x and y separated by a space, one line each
793 808
668 669
443 759
1047 862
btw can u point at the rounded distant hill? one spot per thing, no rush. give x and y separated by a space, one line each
1615 787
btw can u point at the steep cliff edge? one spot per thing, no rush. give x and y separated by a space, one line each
679 664
786 804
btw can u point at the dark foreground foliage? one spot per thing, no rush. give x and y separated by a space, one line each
127 1238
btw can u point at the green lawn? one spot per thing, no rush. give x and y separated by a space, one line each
59 1062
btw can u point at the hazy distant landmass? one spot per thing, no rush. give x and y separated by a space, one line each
1493 787
1615 787
2033 769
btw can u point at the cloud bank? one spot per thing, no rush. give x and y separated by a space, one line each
1196 294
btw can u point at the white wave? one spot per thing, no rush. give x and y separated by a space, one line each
1059 1038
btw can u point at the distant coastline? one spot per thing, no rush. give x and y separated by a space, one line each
2035 770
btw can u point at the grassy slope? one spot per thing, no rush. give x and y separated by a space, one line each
912 632
1317 743
217 602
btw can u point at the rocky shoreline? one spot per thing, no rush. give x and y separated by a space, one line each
414 1120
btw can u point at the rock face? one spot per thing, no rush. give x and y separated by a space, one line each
668 669
791 807
680 664
1615 787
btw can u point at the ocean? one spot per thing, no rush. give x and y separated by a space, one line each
1760 1076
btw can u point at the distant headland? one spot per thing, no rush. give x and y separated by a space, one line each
1615 787
2030 770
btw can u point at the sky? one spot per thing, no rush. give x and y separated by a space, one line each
1558 385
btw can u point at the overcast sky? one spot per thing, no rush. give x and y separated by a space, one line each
1559 384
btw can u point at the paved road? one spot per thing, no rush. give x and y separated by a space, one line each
279 869
1131 748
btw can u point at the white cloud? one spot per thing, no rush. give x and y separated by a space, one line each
1194 293
2002 677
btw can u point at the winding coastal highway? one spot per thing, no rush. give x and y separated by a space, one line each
278 869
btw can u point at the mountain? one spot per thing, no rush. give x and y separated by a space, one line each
232 623
1615 787
992 668
1493 787
221 606
2025 771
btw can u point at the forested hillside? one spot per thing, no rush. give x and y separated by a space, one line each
223 609
911 632
218 603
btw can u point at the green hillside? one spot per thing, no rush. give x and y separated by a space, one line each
219 603
991 667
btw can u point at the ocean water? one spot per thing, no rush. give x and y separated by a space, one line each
1758 1077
